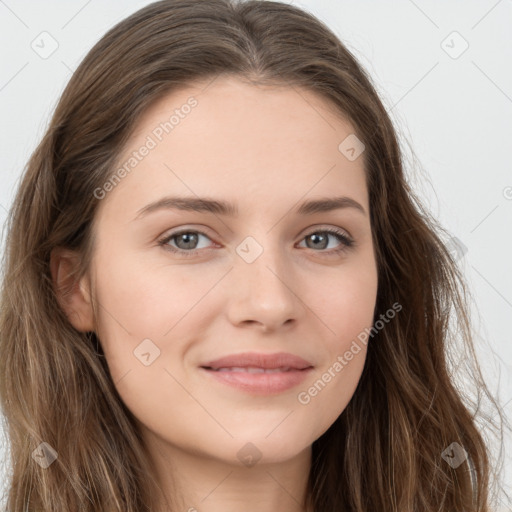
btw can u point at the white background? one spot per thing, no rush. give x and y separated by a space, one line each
455 112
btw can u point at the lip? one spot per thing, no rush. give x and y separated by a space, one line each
259 360
297 370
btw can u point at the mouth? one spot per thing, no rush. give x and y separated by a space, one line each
258 373
281 361
251 369
257 381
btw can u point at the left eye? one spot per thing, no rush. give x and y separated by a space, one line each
189 239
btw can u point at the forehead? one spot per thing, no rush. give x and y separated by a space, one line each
232 139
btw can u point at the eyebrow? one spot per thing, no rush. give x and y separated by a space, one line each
220 207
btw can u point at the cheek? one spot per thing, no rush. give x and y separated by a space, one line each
137 303
325 397
345 301
148 314
346 306
146 300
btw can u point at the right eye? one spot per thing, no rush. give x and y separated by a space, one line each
187 238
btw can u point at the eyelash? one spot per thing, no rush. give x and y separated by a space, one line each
346 242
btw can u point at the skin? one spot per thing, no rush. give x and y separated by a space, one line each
265 149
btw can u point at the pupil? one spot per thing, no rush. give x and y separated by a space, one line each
189 239
318 237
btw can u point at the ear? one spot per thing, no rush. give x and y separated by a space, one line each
73 296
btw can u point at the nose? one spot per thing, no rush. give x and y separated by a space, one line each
263 292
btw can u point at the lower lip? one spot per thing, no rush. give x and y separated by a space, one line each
261 383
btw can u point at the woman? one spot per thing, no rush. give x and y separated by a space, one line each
268 369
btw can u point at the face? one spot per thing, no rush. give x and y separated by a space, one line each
180 287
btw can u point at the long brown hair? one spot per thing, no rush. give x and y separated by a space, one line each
384 452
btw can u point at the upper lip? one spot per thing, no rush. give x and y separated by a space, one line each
259 360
